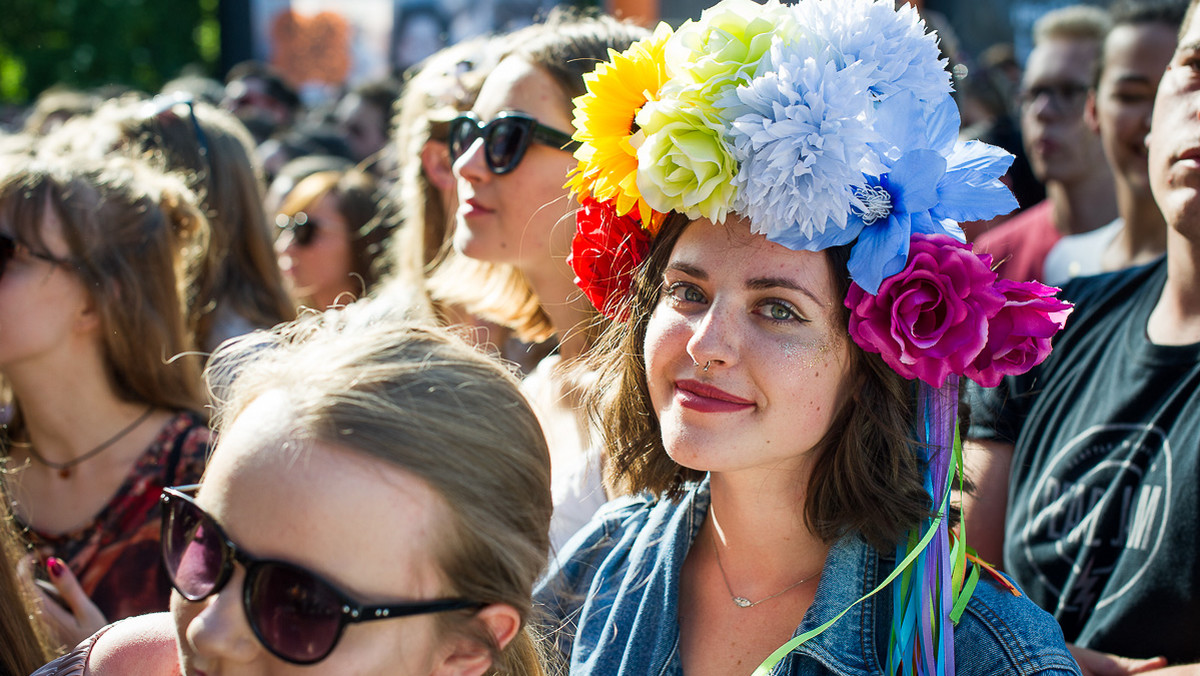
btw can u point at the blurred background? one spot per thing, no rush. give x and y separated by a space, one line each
324 47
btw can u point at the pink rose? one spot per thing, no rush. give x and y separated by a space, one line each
930 320
1020 333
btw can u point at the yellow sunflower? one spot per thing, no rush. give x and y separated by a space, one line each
604 125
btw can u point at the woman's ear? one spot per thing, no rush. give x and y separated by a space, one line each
1091 115
435 161
468 657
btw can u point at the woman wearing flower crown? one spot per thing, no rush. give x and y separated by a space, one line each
769 205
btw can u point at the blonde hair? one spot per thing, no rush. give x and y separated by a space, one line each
444 86
567 46
398 392
25 640
135 236
1074 22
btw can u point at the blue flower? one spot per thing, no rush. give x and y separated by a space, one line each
930 182
890 43
800 138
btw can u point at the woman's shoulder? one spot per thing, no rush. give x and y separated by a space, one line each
1002 631
138 645
628 532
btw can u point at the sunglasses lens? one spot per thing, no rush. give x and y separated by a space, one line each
305 233
193 550
463 132
295 614
8 248
506 143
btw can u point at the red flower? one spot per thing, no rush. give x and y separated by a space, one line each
604 254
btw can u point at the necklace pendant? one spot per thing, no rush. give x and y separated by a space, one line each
64 472
742 602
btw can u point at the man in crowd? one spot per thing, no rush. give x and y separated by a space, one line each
1087 467
1063 151
1136 52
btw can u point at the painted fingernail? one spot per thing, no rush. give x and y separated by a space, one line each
55 566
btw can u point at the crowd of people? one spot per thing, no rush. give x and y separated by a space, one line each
593 349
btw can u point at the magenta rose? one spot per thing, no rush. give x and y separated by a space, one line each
1020 333
931 319
606 250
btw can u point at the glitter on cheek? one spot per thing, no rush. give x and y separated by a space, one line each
808 354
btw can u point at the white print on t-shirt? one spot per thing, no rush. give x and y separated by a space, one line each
1097 515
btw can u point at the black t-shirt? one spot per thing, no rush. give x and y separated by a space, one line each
1102 502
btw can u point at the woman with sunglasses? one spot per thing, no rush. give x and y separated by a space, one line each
768 200
333 228
101 383
349 523
239 287
512 154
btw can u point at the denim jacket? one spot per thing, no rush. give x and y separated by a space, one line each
611 597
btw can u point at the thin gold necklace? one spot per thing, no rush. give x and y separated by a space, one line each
64 468
742 601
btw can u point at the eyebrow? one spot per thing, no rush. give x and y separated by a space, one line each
755 283
1188 47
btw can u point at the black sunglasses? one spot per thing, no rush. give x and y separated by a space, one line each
295 614
303 229
8 249
505 139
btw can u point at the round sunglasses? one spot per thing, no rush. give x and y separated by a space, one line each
295 614
303 228
505 139
8 250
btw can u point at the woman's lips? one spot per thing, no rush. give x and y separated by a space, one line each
473 208
698 396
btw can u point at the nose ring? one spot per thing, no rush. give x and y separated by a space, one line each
706 365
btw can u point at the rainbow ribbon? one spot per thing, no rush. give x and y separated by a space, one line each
934 584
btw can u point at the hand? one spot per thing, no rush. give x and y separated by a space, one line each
1095 663
67 611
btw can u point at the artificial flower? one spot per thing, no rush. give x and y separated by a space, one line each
1019 335
930 320
604 123
802 145
889 42
929 181
684 164
725 46
606 250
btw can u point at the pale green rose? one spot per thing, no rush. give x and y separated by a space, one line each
727 45
684 164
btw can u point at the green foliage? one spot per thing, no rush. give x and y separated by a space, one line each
89 43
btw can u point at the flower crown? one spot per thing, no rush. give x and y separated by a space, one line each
826 122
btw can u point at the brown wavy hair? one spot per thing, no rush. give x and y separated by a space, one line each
216 154
365 208
135 237
866 476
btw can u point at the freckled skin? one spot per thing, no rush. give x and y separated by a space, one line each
766 319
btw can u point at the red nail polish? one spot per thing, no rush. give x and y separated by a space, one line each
55 566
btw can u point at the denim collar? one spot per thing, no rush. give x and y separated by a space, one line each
852 645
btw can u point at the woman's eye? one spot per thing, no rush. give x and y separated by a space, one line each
687 293
780 312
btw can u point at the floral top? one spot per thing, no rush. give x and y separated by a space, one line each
116 556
